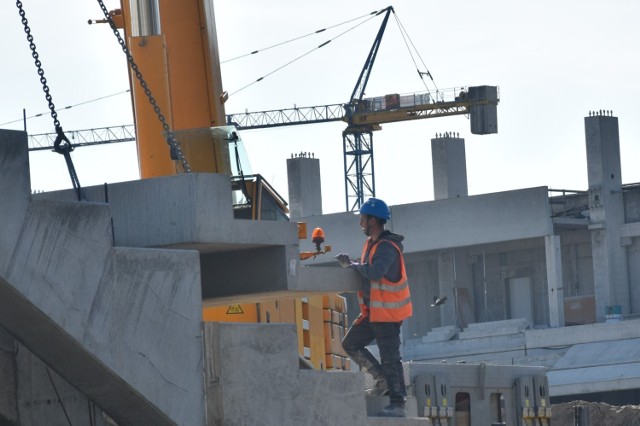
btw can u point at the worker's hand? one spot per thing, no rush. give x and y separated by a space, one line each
344 260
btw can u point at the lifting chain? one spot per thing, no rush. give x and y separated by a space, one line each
174 146
61 145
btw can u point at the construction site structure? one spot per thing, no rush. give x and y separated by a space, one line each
110 330
105 301
174 45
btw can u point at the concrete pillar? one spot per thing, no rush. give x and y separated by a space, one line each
456 283
305 192
448 310
449 167
554 280
606 208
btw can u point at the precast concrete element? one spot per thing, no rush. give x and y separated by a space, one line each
305 190
490 347
478 219
596 367
470 393
451 223
342 232
555 290
45 398
606 208
484 116
122 325
240 260
449 167
252 377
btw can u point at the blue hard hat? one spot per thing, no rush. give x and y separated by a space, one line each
376 207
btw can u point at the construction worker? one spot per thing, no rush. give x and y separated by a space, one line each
385 302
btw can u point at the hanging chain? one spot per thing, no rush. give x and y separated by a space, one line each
61 145
174 146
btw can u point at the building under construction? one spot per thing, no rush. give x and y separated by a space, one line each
101 300
126 303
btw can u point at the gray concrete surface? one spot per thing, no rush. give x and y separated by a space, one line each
606 210
480 384
45 398
441 224
194 212
305 189
596 367
253 378
121 325
449 167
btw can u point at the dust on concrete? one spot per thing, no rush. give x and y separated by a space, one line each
594 414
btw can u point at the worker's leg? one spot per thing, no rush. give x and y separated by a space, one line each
354 344
387 336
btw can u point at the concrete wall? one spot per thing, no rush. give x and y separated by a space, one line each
45 398
121 325
632 215
252 377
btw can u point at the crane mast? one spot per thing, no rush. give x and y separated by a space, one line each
175 46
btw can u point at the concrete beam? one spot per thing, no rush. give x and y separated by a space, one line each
478 219
443 224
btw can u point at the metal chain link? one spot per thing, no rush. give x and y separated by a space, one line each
176 151
61 145
36 58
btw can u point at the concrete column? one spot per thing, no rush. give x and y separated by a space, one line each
456 284
554 280
449 167
606 208
305 192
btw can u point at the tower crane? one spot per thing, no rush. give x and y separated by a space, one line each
365 115
362 115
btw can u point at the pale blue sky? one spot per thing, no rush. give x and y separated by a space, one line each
553 61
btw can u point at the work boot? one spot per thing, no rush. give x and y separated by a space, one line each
379 388
393 410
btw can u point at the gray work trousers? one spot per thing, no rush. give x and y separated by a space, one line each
387 337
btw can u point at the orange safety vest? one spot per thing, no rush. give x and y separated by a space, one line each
388 301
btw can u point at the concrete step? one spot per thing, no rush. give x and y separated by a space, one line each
440 334
516 322
400 421
376 403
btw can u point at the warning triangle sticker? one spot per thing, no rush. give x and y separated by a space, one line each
235 309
